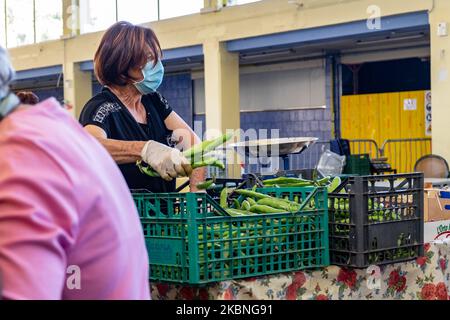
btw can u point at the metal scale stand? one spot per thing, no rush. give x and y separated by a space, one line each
272 148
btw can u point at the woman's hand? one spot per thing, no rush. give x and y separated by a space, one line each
168 162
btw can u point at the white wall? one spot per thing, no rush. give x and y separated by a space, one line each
275 87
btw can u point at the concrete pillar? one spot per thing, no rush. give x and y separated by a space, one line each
77 84
71 18
440 79
222 93
77 87
211 5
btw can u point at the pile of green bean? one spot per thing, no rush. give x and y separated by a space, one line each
253 203
197 155
245 247
287 182
340 208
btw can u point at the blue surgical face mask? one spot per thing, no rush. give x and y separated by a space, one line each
8 104
153 76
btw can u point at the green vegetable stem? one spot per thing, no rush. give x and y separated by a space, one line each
196 155
258 208
279 204
206 185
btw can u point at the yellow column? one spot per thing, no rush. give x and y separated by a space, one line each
212 5
222 94
77 87
77 84
440 79
71 18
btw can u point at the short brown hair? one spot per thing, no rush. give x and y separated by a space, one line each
27 97
124 46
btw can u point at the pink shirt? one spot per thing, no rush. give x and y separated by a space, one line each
68 225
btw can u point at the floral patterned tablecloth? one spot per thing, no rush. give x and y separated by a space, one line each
427 278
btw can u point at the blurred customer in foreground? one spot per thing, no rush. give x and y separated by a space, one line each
68 225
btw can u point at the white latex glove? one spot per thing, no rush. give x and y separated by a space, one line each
168 162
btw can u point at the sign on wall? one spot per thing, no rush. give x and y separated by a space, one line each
428 113
410 104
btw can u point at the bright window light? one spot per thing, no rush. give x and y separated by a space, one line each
137 11
2 24
176 8
97 15
49 25
237 2
19 22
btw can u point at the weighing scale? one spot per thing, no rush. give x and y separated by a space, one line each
270 148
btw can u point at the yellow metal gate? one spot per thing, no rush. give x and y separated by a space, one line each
393 120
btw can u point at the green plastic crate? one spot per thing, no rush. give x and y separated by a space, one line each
357 164
189 243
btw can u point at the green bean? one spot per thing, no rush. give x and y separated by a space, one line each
279 204
285 180
294 185
223 198
217 142
147 170
196 150
204 162
236 204
246 205
258 208
206 185
200 149
209 161
195 156
251 194
323 182
251 201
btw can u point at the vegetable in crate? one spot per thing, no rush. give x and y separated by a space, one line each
197 156
251 201
286 182
223 198
206 185
280 204
236 204
246 205
252 194
259 208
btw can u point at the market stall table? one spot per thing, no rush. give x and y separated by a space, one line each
427 277
437 183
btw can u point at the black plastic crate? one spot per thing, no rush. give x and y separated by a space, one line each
376 220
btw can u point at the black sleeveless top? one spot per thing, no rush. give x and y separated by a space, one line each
106 111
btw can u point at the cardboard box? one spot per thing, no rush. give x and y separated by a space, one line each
438 230
436 207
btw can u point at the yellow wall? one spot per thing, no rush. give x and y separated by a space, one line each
380 117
